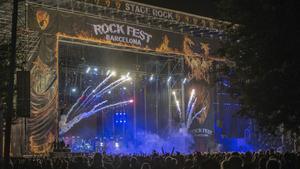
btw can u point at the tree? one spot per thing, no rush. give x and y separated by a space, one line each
264 46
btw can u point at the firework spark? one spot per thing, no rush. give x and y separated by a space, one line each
90 102
190 114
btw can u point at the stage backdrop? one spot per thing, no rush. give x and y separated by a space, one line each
55 26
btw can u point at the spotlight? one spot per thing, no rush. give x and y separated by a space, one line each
151 78
173 92
113 73
73 89
131 101
184 81
109 92
169 78
95 69
117 145
108 72
124 88
88 70
193 92
101 144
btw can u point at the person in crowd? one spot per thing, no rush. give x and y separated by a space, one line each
197 160
273 164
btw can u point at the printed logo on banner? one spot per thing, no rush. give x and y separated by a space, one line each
202 132
122 33
42 18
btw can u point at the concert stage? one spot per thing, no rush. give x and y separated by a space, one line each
107 77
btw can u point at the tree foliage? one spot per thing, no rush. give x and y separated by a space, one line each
264 47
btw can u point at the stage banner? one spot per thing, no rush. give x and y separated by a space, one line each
77 26
99 30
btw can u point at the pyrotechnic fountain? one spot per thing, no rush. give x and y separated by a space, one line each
91 102
188 115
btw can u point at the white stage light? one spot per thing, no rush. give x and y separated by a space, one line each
101 144
108 72
193 92
151 78
109 92
117 145
73 89
88 70
184 81
113 73
124 88
169 78
123 77
95 69
131 101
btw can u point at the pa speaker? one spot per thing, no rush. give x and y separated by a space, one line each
23 94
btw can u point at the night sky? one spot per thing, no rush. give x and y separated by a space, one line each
199 7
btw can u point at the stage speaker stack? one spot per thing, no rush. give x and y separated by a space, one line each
23 94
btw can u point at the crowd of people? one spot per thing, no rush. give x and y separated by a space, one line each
197 160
